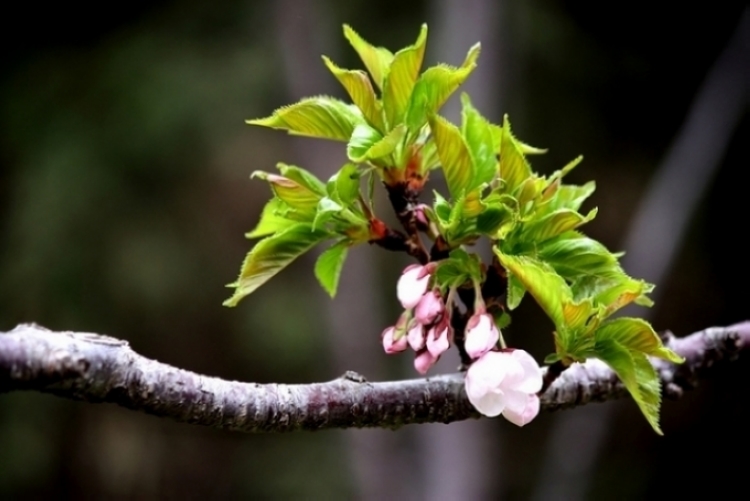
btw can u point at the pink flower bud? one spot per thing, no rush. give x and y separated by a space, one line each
505 382
429 307
438 338
415 337
481 335
391 345
413 284
420 216
423 361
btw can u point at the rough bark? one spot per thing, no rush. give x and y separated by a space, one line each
98 368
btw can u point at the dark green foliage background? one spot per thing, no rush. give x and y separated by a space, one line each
124 194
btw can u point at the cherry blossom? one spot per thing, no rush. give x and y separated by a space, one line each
429 307
391 345
424 360
481 334
415 337
505 382
438 337
413 284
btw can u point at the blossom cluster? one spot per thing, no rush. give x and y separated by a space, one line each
498 381
425 325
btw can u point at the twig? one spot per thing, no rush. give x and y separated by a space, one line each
97 368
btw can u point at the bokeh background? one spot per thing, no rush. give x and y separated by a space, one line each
125 192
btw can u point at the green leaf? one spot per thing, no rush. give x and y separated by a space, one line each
401 77
514 168
298 197
368 144
516 291
320 116
363 137
478 137
442 209
578 314
555 224
271 255
454 155
303 177
359 88
325 211
547 287
636 334
344 185
329 264
638 376
489 220
271 220
573 255
435 86
377 59
569 196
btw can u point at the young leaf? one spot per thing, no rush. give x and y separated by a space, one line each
344 185
320 116
568 196
271 220
454 155
478 137
367 144
303 177
638 376
296 196
435 86
514 168
547 287
329 264
516 291
636 334
573 255
325 211
401 77
271 255
359 88
555 224
377 59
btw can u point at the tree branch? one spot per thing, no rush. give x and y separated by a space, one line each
95 368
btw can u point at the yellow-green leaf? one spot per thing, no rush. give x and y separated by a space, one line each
514 168
321 116
547 287
435 86
401 77
271 220
368 144
555 224
377 59
271 255
359 88
453 153
638 376
296 196
638 335
478 137
329 264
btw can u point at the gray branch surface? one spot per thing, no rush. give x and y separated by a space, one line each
96 368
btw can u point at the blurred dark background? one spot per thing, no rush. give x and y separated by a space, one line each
125 192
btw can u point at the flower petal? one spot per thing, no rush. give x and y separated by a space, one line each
529 380
481 335
415 336
412 285
521 408
423 361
